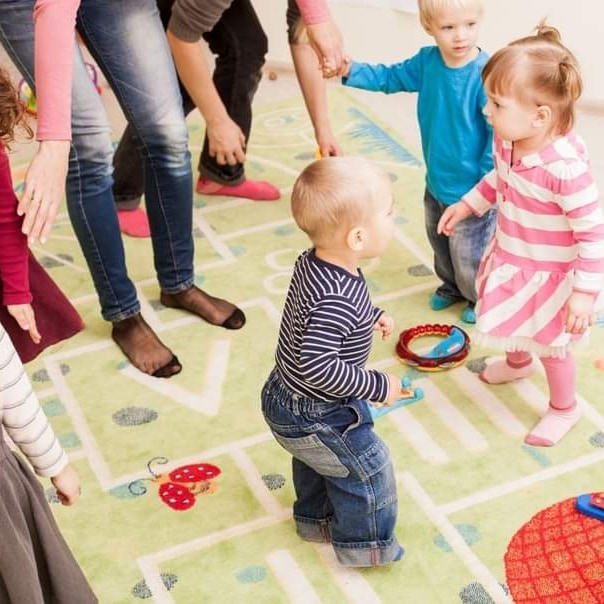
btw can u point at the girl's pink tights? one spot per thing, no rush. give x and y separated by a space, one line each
561 375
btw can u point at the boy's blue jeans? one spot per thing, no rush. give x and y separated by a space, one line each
127 40
456 258
342 473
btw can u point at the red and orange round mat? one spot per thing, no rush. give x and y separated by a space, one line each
557 557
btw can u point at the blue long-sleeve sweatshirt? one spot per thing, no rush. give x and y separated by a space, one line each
456 138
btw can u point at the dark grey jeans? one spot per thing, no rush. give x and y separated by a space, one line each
240 45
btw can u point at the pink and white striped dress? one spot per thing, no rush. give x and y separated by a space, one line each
548 242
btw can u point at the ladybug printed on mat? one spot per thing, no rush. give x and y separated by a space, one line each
179 488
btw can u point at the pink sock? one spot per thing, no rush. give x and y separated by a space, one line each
517 365
134 222
553 426
563 412
256 190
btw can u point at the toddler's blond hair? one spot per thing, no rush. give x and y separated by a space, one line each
428 9
334 194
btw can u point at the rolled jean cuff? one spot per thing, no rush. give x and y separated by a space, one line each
128 202
221 177
317 531
122 315
181 287
369 553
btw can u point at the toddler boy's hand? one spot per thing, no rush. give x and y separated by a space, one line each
346 63
451 216
385 324
25 317
394 392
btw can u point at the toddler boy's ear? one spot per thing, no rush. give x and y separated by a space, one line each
355 239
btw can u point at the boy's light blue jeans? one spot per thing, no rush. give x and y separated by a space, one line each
342 474
127 40
456 258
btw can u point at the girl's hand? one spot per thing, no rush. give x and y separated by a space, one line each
25 317
44 188
67 483
385 324
579 312
451 216
226 141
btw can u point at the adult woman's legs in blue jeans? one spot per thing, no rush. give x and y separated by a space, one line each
145 85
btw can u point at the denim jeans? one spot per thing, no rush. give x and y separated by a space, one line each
342 474
127 41
240 44
456 258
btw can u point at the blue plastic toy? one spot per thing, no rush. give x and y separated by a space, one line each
450 345
591 504
409 395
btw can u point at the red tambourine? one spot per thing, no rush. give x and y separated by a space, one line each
447 354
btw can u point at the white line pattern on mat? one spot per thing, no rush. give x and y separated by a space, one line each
453 538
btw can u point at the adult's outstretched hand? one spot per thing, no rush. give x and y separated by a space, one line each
44 188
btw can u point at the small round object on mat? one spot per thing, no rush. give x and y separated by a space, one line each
449 353
557 556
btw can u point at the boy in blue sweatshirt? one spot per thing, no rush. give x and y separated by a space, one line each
456 139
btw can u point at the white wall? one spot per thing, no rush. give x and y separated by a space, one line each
385 35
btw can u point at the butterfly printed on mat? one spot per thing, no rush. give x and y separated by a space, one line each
179 488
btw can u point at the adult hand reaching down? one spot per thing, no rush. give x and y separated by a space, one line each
44 188
226 141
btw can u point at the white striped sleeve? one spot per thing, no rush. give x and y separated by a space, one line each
22 416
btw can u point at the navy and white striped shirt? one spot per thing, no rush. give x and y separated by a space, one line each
326 334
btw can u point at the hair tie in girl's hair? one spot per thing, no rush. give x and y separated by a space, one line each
548 32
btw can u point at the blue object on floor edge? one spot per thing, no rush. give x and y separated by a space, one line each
584 505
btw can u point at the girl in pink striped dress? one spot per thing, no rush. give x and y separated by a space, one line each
541 275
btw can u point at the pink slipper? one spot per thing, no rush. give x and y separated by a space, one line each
256 190
134 222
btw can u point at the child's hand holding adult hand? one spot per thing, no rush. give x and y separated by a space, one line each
579 312
385 324
67 483
451 216
25 317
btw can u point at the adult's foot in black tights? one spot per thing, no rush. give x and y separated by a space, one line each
213 310
143 348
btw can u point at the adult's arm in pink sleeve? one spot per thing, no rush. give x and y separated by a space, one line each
54 23
54 29
313 11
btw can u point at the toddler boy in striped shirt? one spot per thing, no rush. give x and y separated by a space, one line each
316 399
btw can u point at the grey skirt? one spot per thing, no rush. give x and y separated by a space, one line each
36 565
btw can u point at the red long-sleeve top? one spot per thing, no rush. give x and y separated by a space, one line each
14 272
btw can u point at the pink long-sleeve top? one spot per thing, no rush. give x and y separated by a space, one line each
548 210
54 22
14 252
